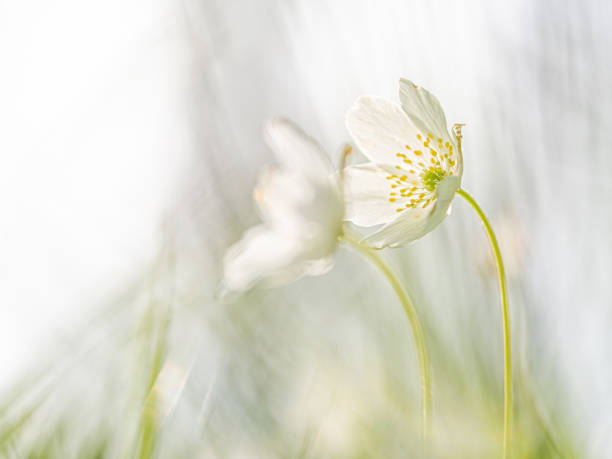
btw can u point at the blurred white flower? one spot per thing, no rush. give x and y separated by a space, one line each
415 168
302 211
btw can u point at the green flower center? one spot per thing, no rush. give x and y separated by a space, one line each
432 177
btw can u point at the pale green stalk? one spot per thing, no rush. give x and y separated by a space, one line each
506 323
157 320
417 330
149 418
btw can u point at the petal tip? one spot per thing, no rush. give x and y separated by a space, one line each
357 106
407 82
224 294
274 124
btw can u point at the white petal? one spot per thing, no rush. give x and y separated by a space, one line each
279 196
380 129
269 258
287 200
366 195
295 150
423 109
410 226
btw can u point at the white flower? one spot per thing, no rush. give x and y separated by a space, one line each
415 167
302 211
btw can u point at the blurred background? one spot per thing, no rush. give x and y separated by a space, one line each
130 143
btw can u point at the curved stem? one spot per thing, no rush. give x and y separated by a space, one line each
417 330
505 313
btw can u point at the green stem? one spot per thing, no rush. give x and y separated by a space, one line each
505 313
417 330
149 422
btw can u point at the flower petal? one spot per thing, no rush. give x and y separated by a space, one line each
287 200
423 109
416 223
366 195
297 151
380 129
280 195
269 258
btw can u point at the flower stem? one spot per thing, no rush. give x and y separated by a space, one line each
417 330
506 319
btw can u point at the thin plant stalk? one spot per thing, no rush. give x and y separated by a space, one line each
156 323
501 275
149 418
417 329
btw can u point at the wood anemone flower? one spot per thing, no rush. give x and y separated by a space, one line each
300 204
415 166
